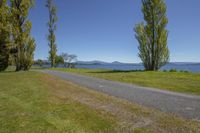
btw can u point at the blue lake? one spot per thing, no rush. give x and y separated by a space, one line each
195 68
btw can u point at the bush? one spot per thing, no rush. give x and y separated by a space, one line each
172 70
39 62
184 71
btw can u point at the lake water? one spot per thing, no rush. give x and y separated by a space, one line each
195 68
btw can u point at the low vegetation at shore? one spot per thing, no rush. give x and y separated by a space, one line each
183 82
37 102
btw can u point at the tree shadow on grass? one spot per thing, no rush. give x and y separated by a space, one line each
39 68
117 71
8 71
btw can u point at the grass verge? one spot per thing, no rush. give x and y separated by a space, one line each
172 81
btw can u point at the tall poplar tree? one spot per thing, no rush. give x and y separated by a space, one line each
21 28
152 35
4 34
52 27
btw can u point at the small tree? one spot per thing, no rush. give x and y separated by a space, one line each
59 60
152 35
69 60
52 27
39 62
65 57
4 35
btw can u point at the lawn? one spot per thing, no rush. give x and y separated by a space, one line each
35 102
174 81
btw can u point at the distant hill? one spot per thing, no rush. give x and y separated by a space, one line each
101 63
117 62
184 63
97 62
91 62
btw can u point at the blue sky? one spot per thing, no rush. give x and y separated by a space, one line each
103 29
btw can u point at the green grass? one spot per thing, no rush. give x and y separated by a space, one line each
28 105
32 102
173 81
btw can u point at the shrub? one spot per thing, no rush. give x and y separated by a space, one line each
172 70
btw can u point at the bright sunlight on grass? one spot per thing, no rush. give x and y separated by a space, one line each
37 102
28 104
173 81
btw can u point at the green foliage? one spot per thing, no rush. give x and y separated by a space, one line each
181 71
52 27
152 35
184 71
29 54
172 70
4 35
39 62
59 60
21 28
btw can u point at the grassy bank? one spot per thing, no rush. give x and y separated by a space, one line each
35 102
173 81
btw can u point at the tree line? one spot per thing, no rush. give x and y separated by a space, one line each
17 46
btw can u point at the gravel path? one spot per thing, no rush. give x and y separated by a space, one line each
187 106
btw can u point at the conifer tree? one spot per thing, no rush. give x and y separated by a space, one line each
152 35
52 27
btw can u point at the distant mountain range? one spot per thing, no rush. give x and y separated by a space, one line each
96 62
101 63
91 62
